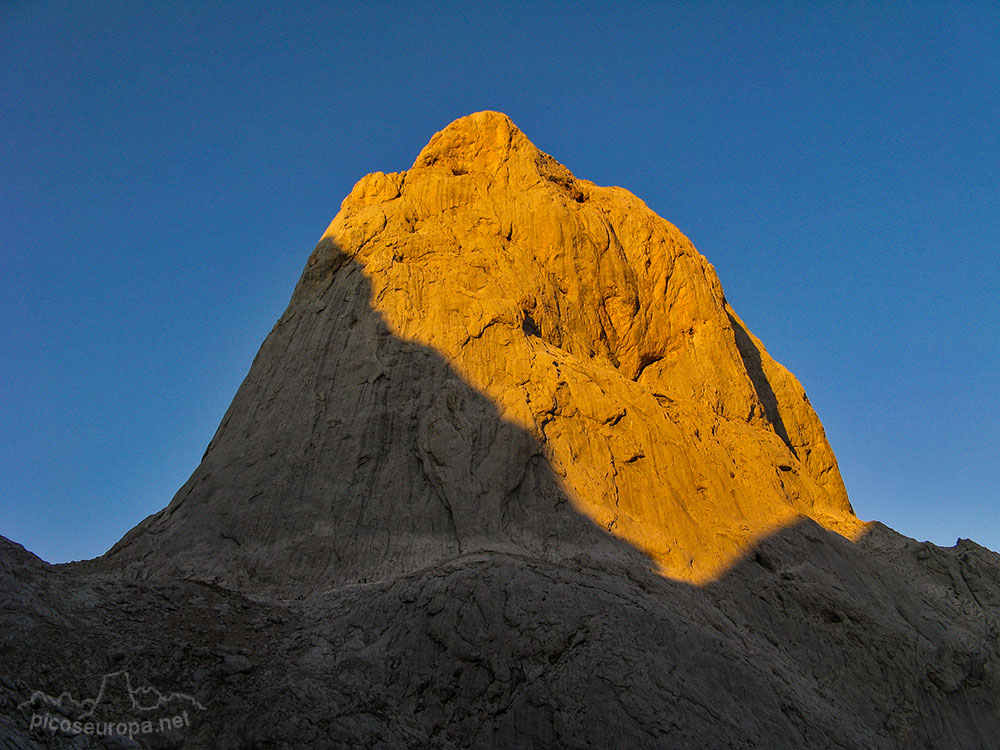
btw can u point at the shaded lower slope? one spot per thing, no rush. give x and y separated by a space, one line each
812 642
350 455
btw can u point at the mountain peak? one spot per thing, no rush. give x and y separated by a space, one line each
511 405
481 141
485 352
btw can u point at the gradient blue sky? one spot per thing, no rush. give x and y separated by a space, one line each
167 168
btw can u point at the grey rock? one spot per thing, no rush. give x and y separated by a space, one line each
236 664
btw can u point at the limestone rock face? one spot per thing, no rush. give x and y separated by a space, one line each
486 352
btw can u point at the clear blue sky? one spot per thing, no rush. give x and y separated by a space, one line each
166 169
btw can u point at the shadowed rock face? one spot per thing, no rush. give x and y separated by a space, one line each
349 455
474 344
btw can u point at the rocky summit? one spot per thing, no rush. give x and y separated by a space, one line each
508 472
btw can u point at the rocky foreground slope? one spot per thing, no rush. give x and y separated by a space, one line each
813 642
508 472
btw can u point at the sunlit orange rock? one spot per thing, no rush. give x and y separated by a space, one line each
597 326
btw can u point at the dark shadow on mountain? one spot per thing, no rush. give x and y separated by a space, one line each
809 641
755 369
350 455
